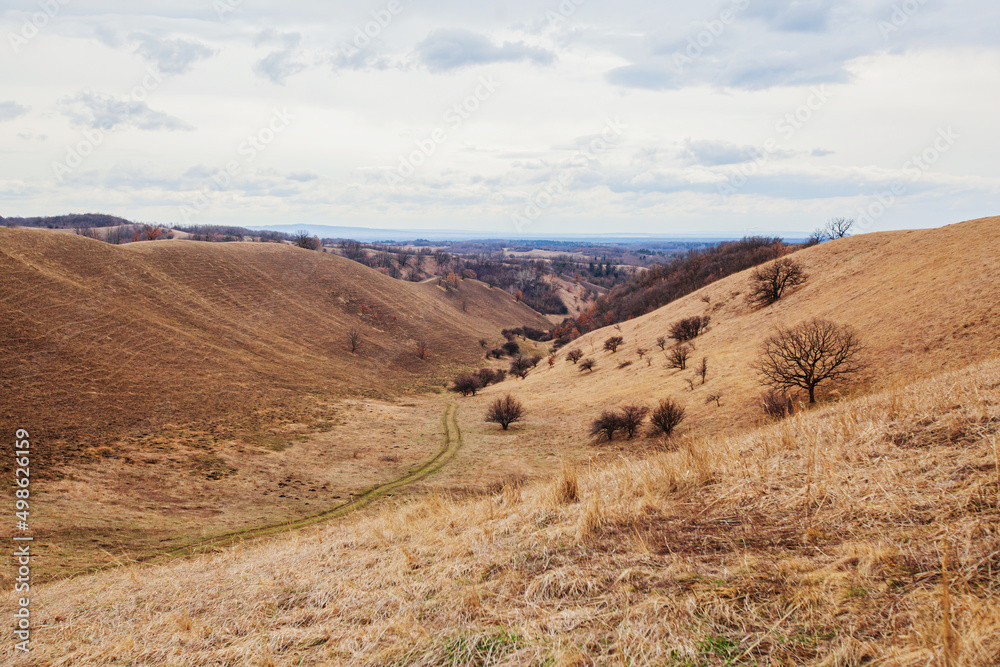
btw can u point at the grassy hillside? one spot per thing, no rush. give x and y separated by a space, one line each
922 301
864 532
175 387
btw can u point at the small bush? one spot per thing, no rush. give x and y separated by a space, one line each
689 328
499 375
666 417
422 349
505 411
661 341
574 355
769 283
612 344
587 365
520 367
777 405
624 364
467 385
535 360
605 426
489 376
511 348
495 353
678 357
631 418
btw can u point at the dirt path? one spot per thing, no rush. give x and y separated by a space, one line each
452 443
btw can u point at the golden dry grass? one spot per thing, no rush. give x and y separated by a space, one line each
922 301
821 540
177 389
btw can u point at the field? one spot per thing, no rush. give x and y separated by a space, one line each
862 530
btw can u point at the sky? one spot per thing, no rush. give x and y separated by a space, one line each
521 118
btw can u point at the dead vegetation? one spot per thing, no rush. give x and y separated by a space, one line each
862 532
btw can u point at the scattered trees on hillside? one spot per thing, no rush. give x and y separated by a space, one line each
689 328
770 282
574 355
666 417
612 344
505 411
808 354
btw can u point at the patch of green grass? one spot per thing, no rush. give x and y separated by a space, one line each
478 650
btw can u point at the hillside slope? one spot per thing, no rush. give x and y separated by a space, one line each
864 532
101 341
922 301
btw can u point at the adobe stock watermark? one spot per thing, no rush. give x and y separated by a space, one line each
248 150
563 12
786 127
365 34
35 23
902 12
93 137
705 39
556 186
915 168
453 118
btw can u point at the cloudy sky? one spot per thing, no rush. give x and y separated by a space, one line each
534 118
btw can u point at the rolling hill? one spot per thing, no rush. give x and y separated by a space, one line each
170 371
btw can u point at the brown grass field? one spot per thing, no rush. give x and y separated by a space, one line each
178 389
861 531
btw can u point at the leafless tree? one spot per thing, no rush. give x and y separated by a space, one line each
505 411
354 339
715 398
678 357
422 349
838 228
467 385
605 426
666 417
770 282
520 367
808 354
587 365
574 355
612 344
689 328
702 369
662 342
632 417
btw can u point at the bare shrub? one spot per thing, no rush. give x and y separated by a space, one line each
631 418
535 360
354 339
496 353
520 367
714 398
808 354
661 341
777 405
505 411
587 365
467 385
769 283
612 344
422 349
702 370
678 357
574 355
624 364
605 426
689 328
666 417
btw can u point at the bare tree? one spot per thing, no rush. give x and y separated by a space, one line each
574 355
808 354
587 365
702 369
605 426
422 349
612 344
678 357
666 417
770 282
631 418
662 342
838 228
354 339
714 398
505 411
467 385
689 328
520 367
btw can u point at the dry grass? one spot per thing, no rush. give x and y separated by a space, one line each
864 532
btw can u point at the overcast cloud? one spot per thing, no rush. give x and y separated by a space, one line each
733 117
